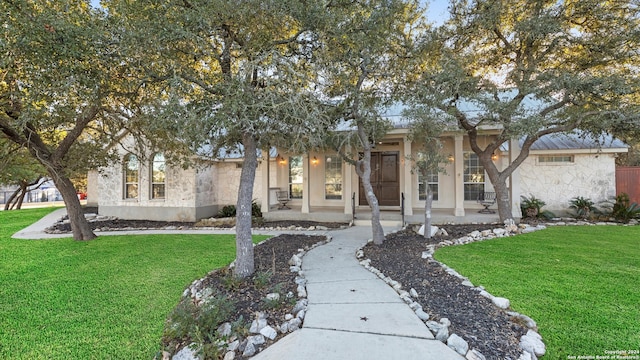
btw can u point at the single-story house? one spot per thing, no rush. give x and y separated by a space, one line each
323 187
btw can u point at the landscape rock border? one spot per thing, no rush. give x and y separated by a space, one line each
531 344
205 224
262 332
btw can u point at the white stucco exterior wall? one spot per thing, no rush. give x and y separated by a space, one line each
591 175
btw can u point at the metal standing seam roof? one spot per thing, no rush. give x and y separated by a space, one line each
570 141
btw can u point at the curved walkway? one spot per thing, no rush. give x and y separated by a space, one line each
351 314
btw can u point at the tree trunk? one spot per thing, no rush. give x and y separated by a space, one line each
427 213
244 265
79 225
499 181
23 193
10 201
363 169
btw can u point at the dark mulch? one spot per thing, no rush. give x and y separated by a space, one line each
272 274
473 317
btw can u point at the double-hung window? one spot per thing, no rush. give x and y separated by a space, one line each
295 177
131 176
473 176
158 176
332 177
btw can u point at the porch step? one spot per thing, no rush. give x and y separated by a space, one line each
384 223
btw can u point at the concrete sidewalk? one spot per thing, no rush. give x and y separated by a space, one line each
352 314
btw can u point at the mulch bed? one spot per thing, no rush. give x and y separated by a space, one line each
272 274
473 317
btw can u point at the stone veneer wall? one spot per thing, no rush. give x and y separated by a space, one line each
229 175
591 176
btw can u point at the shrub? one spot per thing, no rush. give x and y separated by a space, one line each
230 210
623 211
227 211
583 207
199 324
532 208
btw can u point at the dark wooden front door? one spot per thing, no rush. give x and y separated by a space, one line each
385 179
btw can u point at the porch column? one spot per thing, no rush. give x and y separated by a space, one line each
347 189
408 179
514 180
458 163
265 182
305 184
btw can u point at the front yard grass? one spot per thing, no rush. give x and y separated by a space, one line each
581 284
103 299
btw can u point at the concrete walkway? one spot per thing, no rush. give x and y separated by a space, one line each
351 314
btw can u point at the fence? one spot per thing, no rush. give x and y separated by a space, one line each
628 181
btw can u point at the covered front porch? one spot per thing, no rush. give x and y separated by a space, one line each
387 217
323 187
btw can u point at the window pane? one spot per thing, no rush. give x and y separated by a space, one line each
131 191
157 191
472 191
158 176
333 177
295 177
431 180
131 176
295 191
473 176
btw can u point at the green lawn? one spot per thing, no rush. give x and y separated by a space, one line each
581 284
102 299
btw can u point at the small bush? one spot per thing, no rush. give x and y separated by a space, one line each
583 207
532 208
199 324
623 211
262 279
230 210
227 211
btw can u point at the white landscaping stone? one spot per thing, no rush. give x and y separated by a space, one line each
486 294
458 344
230 355
443 334
249 350
500 302
294 324
434 230
475 355
525 356
532 342
301 314
273 296
256 340
186 354
422 315
302 292
413 292
269 332
233 346
225 329
258 324
499 232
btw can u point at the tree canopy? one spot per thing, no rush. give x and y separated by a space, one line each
62 86
533 68
232 75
